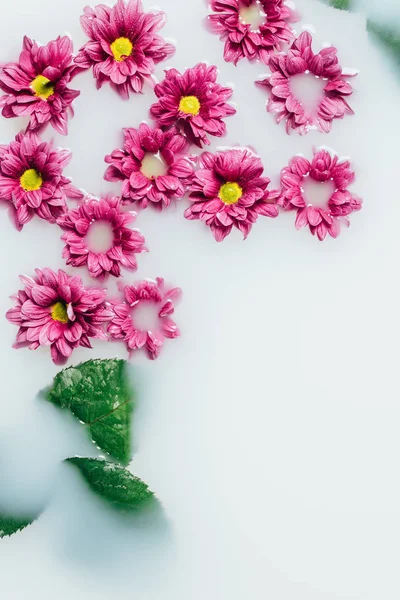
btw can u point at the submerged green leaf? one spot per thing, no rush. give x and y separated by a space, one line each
341 4
389 37
12 524
99 394
114 484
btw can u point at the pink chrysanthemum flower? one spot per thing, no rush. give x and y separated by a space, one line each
124 46
56 310
118 245
251 29
36 85
32 181
125 324
151 166
230 191
194 102
332 176
300 60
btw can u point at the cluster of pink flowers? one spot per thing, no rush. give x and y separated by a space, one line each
261 29
153 164
123 50
57 310
227 189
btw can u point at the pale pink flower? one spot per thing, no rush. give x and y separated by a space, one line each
32 180
252 29
56 310
124 45
36 85
151 166
194 102
324 167
124 245
300 59
151 294
229 190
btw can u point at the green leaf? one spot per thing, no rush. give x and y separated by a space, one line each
390 38
341 4
114 484
99 394
11 524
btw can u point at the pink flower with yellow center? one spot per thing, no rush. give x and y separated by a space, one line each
127 322
36 85
124 45
229 190
330 178
32 180
56 310
97 236
252 29
151 166
324 67
194 102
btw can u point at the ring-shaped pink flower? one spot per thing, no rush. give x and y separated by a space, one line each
56 310
122 247
123 325
151 166
36 85
252 29
325 168
301 60
229 190
124 46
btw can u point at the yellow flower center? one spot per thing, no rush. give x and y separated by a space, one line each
59 312
230 193
42 87
31 180
121 48
189 105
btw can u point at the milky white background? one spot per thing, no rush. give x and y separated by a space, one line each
270 429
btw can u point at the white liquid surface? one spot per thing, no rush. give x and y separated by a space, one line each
308 89
317 193
153 166
100 237
270 429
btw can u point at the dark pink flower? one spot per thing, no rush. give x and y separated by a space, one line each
151 166
32 181
252 29
194 102
36 85
126 326
230 191
56 310
326 169
120 250
301 60
124 46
